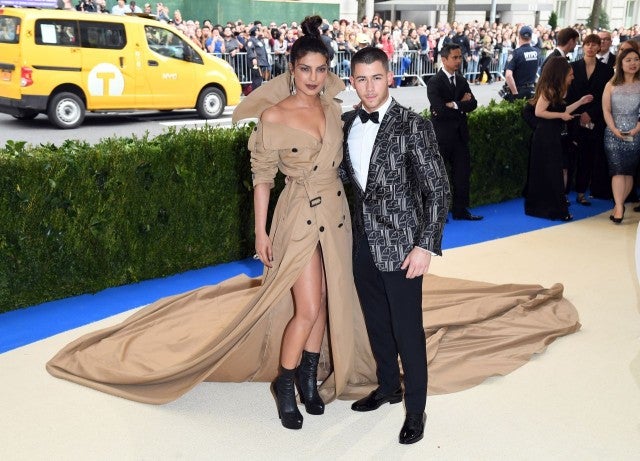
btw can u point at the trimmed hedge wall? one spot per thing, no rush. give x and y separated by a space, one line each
78 218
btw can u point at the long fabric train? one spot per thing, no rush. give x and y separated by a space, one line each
232 331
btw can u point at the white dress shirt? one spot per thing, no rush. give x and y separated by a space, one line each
361 140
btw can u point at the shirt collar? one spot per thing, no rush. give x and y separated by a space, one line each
382 110
447 73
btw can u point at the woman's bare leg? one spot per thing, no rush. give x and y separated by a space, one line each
310 313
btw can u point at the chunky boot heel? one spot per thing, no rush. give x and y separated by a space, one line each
307 382
283 390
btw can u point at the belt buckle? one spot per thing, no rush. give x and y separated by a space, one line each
315 201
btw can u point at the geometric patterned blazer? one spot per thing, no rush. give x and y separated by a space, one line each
406 199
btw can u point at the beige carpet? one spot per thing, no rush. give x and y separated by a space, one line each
579 400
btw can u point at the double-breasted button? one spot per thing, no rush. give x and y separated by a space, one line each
295 149
315 168
309 221
321 228
339 193
341 224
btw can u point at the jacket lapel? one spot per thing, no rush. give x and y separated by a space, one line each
378 155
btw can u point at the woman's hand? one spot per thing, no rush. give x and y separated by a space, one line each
586 99
264 251
566 116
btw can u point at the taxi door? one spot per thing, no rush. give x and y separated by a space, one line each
52 50
169 63
108 65
10 56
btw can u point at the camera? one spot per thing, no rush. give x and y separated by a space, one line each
505 93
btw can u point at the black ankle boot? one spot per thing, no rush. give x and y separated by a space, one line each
284 392
307 381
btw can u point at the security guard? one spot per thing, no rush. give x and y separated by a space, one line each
521 70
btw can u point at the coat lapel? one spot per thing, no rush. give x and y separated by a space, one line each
349 117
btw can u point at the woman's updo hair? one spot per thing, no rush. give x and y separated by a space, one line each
310 42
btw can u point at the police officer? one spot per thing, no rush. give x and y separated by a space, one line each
257 56
521 70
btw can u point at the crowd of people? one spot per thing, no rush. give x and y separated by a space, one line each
486 48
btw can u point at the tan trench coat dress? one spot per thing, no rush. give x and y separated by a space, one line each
232 331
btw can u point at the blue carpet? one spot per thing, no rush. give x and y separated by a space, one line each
24 326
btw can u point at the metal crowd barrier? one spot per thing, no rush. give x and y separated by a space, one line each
409 67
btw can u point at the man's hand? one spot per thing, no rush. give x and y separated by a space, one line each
466 97
417 262
585 119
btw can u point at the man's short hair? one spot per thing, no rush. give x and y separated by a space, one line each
448 48
566 35
369 55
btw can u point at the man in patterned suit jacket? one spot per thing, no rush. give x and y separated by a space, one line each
401 199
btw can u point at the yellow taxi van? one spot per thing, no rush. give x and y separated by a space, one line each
64 63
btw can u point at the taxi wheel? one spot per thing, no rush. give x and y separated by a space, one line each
66 110
211 103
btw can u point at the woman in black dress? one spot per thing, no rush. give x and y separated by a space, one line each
544 197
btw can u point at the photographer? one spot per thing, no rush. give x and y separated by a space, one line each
521 70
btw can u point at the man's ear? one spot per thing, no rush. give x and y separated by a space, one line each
390 78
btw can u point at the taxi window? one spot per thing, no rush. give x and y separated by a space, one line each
9 29
104 35
166 43
57 32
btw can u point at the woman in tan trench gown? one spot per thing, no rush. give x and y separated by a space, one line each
232 331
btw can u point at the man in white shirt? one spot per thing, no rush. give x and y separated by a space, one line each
119 9
401 199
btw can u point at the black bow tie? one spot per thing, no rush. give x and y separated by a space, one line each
366 116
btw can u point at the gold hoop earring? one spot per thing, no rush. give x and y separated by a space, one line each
292 86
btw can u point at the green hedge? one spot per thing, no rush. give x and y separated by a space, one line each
78 218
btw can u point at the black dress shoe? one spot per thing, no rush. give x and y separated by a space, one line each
413 428
465 215
374 400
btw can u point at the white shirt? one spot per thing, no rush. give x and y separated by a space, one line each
455 105
361 140
603 57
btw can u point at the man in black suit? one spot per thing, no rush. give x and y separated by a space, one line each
604 55
451 100
590 77
401 197
566 41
